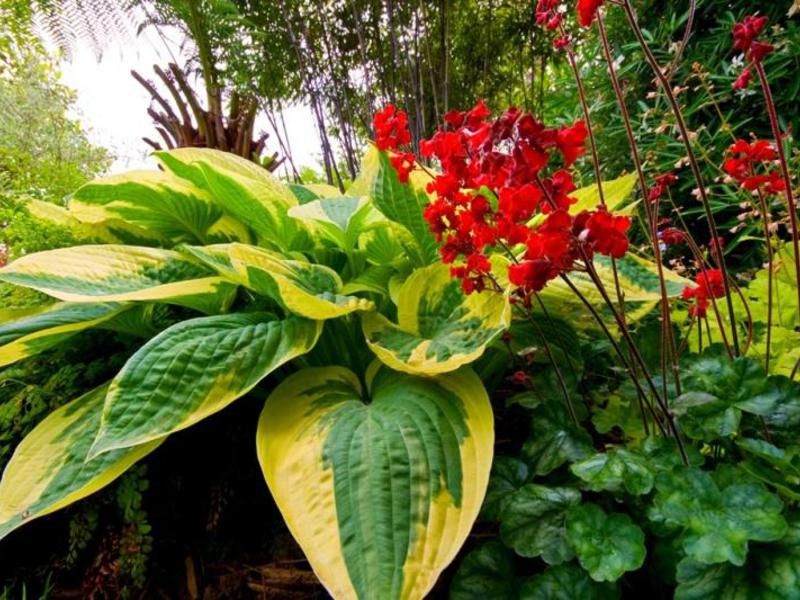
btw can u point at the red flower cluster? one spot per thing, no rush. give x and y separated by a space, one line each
493 183
743 163
587 11
391 132
663 183
709 285
547 14
745 38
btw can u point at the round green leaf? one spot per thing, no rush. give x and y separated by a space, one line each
566 582
615 471
606 545
532 522
508 475
487 572
717 522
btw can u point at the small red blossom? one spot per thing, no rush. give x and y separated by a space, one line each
391 128
520 377
709 285
671 236
547 13
606 233
746 32
745 162
403 163
587 11
572 142
759 51
743 81
663 183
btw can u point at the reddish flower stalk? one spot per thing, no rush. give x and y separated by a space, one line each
717 254
791 206
652 215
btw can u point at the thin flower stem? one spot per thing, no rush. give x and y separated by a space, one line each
776 133
718 256
687 32
662 402
651 218
765 218
619 353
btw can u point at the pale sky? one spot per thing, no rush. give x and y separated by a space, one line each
113 106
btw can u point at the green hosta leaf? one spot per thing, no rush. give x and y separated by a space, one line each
158 201
49 470
309 192
508 475
554 440
532 522
194 369
114 273
241 188
306 289
440 328
384 247
717 522
615 471
487 572
403 204
27 332
606 545
616 192
372 279
379 486
566 582
638 278
772 572
341 219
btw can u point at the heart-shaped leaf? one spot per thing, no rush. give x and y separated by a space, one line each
379 486
439 327
615 471
566 582
507 476
487 572
194 369
532 522
772 572
606 545
49 470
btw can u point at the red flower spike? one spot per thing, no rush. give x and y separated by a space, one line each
709 285
587 11
391 128
743 81
746 32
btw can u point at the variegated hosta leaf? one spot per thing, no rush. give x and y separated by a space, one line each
241 188
157 201
638 278
380 487
313 191
439 327
616 192
195 369
49 470
114 273
308 290
340 219
27 332
402 203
